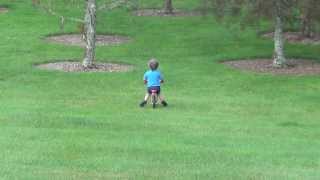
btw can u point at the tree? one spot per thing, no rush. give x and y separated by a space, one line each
310 15
88 23
168 8
90 33
278 10
279 59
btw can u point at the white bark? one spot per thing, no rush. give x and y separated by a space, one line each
90 33
279 58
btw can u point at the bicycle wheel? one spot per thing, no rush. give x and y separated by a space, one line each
154 100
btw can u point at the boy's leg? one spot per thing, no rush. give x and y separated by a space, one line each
146 97
144 102
163 102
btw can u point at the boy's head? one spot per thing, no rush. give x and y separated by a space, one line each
153 64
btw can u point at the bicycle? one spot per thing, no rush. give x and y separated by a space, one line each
154 97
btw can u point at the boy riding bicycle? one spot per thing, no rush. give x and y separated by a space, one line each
153 79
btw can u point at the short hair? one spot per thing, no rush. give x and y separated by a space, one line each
153 64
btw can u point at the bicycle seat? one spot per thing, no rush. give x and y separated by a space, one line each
154 91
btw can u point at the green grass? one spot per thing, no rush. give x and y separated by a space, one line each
220 123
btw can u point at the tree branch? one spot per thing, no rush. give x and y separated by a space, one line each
112 5
62 18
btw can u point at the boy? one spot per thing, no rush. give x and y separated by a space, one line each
153 79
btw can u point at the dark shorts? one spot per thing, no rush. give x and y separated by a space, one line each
157 88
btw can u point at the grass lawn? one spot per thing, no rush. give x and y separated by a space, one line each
220 124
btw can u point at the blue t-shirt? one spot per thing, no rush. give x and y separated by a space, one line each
153 78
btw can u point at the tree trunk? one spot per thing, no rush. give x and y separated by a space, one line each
306 27
90 33
306 17
168 8
279 58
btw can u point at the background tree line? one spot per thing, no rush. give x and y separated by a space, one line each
305 13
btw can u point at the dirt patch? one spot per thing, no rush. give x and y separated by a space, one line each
160 12
69 66
296 37
3 10
77 39
295 66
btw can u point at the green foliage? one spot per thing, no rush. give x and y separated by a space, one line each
302 15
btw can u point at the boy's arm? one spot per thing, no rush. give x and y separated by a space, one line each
161 78
145 78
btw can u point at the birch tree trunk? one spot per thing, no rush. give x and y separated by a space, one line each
168 8
90 33
279 58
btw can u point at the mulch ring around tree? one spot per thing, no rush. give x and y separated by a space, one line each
298 67
3 9
77 39
72 66
160 12
296 37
